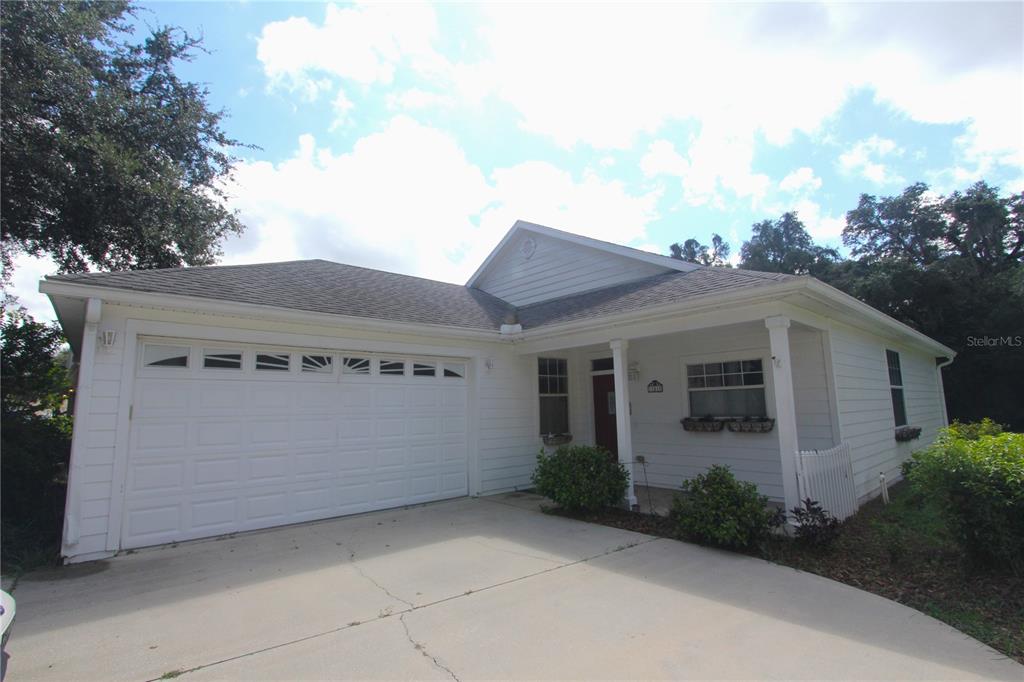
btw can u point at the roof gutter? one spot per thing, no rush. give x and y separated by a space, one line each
263 312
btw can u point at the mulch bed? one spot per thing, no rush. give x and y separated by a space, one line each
902 552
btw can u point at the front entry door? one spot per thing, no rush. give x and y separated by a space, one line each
604 413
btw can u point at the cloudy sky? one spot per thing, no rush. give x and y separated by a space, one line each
410 137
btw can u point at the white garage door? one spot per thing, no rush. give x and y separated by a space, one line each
231 438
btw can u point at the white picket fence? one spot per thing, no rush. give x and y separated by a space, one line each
826 476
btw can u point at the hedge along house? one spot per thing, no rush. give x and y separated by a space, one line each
212 400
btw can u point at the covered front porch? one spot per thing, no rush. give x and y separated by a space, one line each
760 388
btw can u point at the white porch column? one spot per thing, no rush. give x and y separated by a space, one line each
623 430
785 406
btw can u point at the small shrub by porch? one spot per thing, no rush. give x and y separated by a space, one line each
581 478
716 509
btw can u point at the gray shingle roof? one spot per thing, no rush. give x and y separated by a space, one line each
333 288
671 287
319 286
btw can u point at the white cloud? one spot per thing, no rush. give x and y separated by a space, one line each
362 43
407 199
342 105
28 270
744 73
823 227
801 180
865 159
716 160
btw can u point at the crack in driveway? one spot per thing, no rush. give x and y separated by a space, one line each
364 574
423 649
412 608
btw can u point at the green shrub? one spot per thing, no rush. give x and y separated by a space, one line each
974 430
581 477
815 525
716 509
976 475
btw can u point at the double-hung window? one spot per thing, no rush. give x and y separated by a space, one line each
899 407
726 389
553 380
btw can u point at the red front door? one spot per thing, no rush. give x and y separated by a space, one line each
604 413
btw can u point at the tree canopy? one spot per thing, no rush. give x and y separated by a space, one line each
784 245
107 159
949 266
692 251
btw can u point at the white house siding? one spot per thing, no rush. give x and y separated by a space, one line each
508 440
95 461
865 404
557 268
673 454
811 389
503 438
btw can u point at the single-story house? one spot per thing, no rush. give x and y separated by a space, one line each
212 400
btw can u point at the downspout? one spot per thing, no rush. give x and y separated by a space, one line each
942 389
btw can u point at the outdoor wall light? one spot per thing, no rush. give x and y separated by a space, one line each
108 337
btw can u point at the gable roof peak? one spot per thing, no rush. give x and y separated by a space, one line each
609 247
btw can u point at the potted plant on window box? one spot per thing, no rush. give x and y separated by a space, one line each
705 424
752 425
556 439
907 433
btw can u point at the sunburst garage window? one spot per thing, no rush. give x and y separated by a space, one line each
355 366
321 364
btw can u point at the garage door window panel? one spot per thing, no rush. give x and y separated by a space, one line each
318 364
392 368
222 359
355 365
273 362
454 370
424 369
158 355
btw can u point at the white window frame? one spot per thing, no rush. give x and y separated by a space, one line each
736 356
901 387
541 396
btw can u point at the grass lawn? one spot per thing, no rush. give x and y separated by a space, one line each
903 552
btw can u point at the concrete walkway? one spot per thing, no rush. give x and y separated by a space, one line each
468 589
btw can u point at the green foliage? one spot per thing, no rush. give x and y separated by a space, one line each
35 439
692 251
815 525
784 245
973 430
581 477
716 509
108 158
977 477
33 378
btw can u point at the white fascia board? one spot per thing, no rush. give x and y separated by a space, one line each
608 247
264 312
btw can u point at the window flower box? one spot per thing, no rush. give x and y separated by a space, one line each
556 439
702 425
751 425
907 433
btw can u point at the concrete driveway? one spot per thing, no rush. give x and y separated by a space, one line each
468 589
